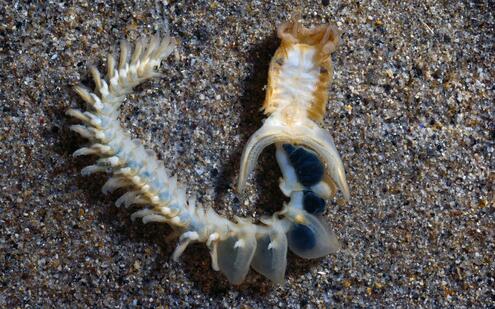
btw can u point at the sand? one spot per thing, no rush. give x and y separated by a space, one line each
411 110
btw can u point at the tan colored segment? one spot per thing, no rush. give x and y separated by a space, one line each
325 38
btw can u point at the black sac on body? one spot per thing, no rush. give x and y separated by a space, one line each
309 172
309 169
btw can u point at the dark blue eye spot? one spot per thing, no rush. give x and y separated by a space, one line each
302 237
309 169
313 203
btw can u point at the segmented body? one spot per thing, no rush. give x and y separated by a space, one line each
234 246
298 80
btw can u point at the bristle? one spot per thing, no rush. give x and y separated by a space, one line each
142 213
85 94
84 152
96 77
110 66
152 46
165 48
83 131
212 244
91 169
114 183
124 54
154 218
77 114
138 49
127 199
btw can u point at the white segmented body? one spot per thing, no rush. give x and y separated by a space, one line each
233 245
298 79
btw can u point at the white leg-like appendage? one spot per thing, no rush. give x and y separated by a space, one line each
184 241
212 244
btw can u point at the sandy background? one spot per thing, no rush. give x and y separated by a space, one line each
411 111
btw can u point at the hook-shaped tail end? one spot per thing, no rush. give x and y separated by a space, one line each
266 135
312 136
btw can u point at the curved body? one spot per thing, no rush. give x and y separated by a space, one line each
300 73
234 246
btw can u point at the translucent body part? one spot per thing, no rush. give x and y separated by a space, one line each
302 237
311 238
234 257
289 182
325 189
269 133
270 258
307 134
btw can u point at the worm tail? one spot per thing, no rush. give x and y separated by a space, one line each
311 136
130 163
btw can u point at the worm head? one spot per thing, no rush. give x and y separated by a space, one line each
302 67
